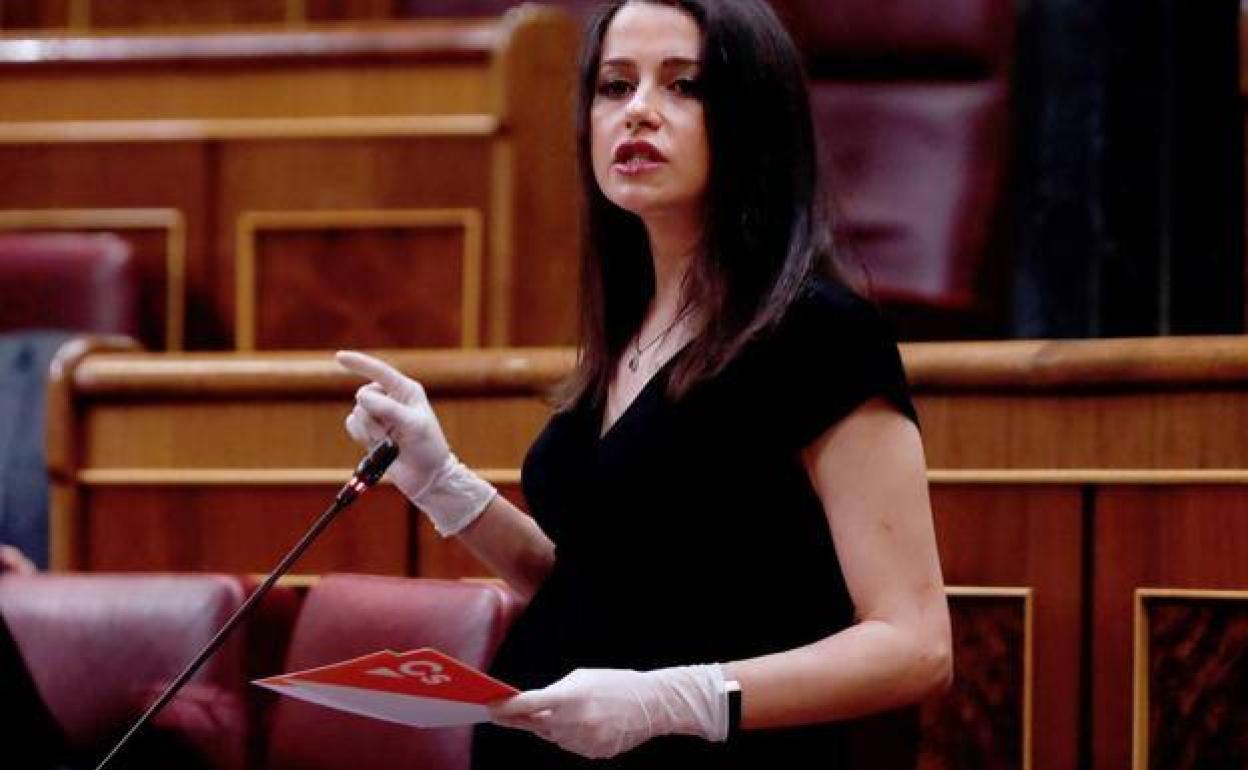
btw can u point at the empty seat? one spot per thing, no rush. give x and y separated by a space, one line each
101 648
911 101
346 616
68 281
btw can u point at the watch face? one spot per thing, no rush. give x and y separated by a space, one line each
734 707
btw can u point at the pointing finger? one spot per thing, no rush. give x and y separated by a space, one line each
392 380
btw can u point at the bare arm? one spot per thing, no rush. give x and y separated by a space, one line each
870 475
512 545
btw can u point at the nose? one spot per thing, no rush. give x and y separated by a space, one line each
640 110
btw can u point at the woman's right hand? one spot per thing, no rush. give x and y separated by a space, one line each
394 406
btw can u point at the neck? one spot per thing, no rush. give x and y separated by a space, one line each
674 241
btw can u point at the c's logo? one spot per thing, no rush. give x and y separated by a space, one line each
423 671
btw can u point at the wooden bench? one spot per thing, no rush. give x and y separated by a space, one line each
399 185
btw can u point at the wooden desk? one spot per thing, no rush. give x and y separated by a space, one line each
1091 502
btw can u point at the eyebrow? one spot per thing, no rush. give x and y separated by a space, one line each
669 61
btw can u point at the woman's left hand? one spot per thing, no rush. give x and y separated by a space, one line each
598 712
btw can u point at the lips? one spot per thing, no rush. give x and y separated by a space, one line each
626 151
637 155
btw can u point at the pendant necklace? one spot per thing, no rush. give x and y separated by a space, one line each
634 360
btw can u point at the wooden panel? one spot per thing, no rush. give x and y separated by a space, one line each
1171 537
1104 430
239 529
248 175
270 93
293 433
418 68
538 166
34 14
448 172
350 10
381 288
1191 680
1129 403
162 13
1030 537
382 278
983 721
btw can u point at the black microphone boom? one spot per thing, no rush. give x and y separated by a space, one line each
367 473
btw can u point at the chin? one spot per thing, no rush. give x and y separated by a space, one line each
642 204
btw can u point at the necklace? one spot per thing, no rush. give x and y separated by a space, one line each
634 360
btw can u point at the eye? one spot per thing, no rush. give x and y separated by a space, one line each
690 87
616 88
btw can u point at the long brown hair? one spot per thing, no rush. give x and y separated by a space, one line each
767 224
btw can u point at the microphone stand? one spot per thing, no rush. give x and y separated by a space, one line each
367 473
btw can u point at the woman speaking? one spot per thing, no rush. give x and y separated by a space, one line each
730 546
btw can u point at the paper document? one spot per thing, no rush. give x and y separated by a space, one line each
422 688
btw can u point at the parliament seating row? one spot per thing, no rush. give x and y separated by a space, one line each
83 655
1091 503
413 185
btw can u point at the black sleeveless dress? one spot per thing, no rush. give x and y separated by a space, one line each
690 532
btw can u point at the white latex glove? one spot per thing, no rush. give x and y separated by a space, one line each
601 712
394 406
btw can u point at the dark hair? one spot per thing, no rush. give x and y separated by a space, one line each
767 228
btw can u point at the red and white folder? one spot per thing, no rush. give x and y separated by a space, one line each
421 688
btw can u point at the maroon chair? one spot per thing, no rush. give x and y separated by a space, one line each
345 616
69 281
911 102
101 648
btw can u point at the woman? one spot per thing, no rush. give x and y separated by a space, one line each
730 505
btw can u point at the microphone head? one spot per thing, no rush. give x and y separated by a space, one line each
374 465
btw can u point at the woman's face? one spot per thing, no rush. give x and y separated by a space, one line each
648 138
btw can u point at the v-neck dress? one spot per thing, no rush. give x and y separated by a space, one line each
689 531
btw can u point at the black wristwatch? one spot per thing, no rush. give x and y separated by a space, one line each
733 688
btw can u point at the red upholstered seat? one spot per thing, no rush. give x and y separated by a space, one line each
345 616
101 648
70 281
911 102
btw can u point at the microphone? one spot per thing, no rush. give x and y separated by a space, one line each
366 474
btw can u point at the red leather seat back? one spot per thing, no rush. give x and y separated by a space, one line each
101 648
345 616
75 282
911 103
